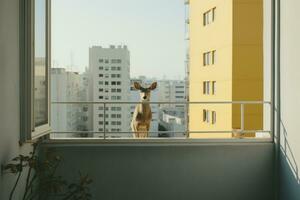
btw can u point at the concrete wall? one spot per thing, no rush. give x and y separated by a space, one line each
290 100
9 91
212 172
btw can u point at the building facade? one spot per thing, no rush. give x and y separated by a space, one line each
226 64
109 72
66 86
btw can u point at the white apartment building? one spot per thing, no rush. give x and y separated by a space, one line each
135 97
110 75
66 86
172 91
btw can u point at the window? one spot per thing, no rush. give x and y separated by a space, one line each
214 117
100 89
100 97
213 57
100 75
114 61
209 58
35 47
85 109
207 116
101 61
209 16
100 82
204 115
101 68
214 87
206 87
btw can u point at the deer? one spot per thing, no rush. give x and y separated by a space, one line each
142 115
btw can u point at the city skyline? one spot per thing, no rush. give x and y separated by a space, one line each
160 52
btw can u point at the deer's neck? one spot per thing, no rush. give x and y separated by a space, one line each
144 107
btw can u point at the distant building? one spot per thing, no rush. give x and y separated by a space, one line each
173 120
172 91
110 82
135 97
65 86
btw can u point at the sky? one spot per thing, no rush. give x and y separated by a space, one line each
153 30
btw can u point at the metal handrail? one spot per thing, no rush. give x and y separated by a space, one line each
105 103
162 102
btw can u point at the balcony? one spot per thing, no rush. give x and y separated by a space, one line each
168 168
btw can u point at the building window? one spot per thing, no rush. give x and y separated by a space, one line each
214 87
204 115
207 116
100 75
214 117
209 58
101 61
100 97
206 87
106 83
213 57
101 68
106 61
100 89
209 16
100 82
114 61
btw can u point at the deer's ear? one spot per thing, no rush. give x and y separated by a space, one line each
136 85
153 86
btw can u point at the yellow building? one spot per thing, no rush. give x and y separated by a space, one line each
226 64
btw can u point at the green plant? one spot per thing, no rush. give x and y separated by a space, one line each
41 179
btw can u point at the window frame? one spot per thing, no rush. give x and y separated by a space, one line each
28 130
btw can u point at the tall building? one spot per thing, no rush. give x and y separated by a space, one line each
135 97
109 72
226 64
65 86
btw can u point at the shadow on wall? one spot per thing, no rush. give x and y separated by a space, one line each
290 181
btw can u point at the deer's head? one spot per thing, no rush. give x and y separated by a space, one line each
144 92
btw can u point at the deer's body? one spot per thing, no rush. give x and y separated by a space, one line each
142 115
141 120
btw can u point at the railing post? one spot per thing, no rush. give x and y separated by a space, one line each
104 118
242 117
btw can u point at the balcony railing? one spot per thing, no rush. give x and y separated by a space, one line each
215 131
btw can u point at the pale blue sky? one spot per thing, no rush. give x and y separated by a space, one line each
152 29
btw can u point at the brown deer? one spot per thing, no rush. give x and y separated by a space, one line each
142 115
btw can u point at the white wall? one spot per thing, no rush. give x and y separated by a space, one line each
9 91
290 100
